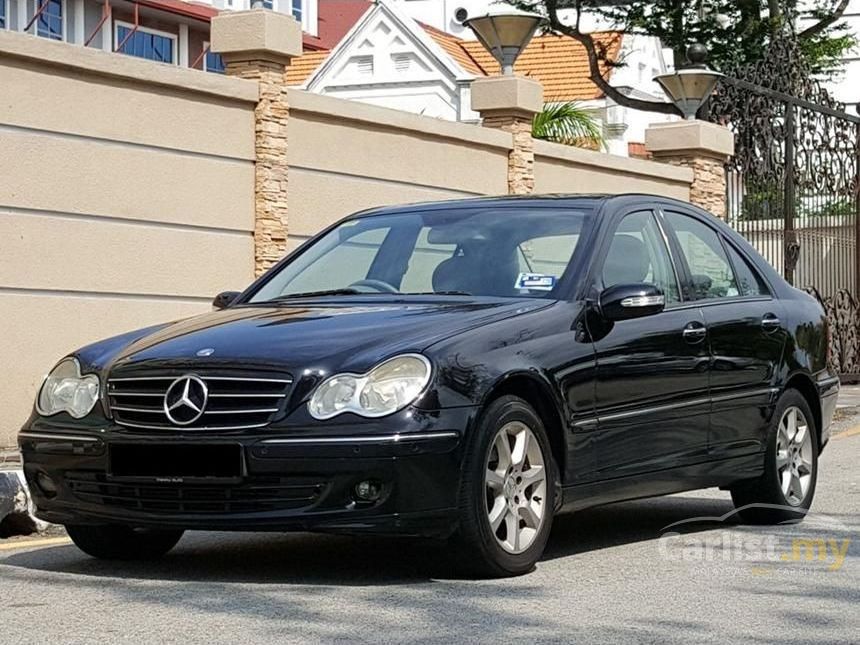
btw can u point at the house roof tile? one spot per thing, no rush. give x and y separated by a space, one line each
560 63
301 68
453 46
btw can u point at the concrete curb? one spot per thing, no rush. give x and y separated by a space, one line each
16 507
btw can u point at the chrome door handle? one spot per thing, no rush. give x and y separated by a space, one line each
695 332
770 322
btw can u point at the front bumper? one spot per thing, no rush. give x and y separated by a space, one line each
291 480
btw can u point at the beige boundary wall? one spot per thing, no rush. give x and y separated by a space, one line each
127 190
563 169
345 156
126 198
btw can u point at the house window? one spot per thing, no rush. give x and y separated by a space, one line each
364 64
3 13
50 22
295 6
213 62
402 62
146 43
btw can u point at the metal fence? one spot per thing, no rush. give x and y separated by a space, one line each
793 185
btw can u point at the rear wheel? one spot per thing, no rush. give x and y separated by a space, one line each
785 490
507 493
116 542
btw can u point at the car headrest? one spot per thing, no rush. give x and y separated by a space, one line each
626 262
478 269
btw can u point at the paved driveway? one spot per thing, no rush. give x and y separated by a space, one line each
608 576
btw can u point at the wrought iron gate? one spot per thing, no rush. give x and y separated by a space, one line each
793 185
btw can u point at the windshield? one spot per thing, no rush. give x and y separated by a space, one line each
479 252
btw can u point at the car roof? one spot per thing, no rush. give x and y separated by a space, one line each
581 200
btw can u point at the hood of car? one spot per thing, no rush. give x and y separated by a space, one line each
349 335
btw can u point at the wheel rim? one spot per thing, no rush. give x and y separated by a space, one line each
794 458
515 487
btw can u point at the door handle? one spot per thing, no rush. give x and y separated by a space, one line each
694 332
770 323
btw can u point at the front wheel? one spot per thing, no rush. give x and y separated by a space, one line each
507 494
785 490
115 542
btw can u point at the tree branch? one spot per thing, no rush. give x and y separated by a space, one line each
824 23
587 41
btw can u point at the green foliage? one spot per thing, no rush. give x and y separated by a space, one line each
736 32
567 123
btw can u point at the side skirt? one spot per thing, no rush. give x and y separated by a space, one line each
663 482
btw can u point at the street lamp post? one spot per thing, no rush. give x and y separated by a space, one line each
690 86
505 35
509 102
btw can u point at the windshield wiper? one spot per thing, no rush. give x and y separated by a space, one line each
347 291
437 293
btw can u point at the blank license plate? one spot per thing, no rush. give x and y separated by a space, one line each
178 461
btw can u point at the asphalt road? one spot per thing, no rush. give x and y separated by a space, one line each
608 576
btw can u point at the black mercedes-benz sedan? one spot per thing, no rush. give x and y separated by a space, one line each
462 370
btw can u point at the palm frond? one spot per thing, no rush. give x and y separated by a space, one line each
567 123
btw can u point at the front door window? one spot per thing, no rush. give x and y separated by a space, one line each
638 253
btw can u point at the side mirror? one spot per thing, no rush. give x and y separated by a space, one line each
224 299
626 301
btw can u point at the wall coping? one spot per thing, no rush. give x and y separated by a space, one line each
613 163
114 65
347 110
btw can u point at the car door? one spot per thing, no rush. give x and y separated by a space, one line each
744 327
651 390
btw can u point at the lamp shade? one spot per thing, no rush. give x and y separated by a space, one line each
689 87
505 35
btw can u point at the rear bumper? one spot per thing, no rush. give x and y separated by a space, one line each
828 391
289 482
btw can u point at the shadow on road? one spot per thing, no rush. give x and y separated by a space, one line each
334 588
303 558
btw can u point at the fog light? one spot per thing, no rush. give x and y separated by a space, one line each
46 485
368 490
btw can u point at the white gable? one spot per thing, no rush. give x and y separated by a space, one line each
388 59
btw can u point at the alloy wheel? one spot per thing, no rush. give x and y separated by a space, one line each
794 459
515 486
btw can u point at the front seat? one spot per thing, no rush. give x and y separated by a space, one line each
477 268
627 261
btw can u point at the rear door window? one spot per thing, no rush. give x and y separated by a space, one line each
750 283
711 274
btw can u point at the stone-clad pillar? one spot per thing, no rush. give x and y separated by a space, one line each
704 148
258 45
510 103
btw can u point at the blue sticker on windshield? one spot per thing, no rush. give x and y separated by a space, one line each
538 281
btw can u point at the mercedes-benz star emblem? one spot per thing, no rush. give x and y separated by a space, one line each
185 400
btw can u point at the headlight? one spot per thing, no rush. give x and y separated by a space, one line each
386 388
65 390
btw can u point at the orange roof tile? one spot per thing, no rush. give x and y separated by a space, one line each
453 46
301 68
560 63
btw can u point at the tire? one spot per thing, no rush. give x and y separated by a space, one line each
766 500
116 542
527 491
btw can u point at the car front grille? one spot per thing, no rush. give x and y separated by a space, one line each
235 402
257 494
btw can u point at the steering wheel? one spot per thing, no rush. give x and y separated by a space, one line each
378 286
